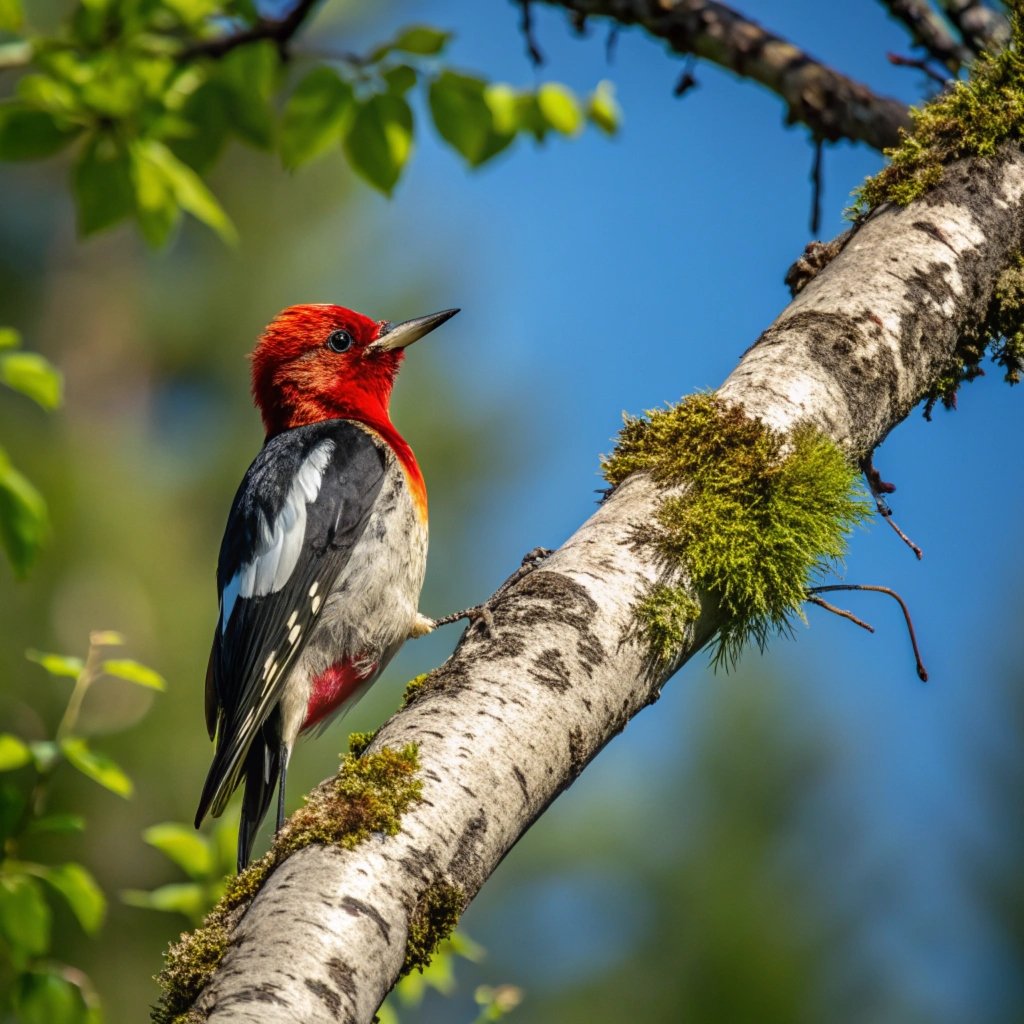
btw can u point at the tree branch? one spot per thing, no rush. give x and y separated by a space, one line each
981 27
279 30
929 31
512 718
832 105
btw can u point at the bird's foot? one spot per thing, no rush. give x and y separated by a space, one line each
480 614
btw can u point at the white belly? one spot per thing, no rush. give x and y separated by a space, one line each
374 603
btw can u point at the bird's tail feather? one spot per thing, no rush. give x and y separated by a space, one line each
262 769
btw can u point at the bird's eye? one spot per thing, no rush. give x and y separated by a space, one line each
339 341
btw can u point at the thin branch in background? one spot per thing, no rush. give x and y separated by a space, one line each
833 105
278 30
841 612
983 29
687 80
610 42
921 63
879 488
929 31
817 184
579 24
922 672
526 27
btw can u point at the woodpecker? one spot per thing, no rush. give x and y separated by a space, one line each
322 561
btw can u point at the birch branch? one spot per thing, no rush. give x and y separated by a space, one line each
929 31
511 719
830 103
982 27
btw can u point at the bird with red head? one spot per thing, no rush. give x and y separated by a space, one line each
323 557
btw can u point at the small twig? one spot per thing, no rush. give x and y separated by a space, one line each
482 612
278 30
687 80
922 672
610 42
879 488
579 23
921 63
526 27
817 177
841 612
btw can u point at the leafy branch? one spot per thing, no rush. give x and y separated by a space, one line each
147 97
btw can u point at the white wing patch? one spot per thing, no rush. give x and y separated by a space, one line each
280 543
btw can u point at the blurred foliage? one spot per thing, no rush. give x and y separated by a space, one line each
35 988
148 94
23 517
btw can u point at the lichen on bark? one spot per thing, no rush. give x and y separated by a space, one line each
762 516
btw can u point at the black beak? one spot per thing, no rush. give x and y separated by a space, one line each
400 335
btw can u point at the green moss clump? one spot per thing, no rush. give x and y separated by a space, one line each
189 964
972 119
1000 334
765 513
369 794
413 688
434 919
359 741
663 615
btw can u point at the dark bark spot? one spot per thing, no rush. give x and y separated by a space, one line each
467 865
343 976
550 669
357 908
577 752
521 779
326 995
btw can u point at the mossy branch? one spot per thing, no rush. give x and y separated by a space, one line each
762 516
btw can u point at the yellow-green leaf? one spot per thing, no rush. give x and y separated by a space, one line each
421 39
14 753
9 338
28 134
603 110
11 15
33 376
560 108
24 522
134 672
97 767
81 892
189 850
57 664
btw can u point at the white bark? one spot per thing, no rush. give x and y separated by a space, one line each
509 721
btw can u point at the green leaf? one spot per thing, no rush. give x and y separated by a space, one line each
189 850
33 376
24 522
461 107
379 140
97 767
44 997
57 823
166 176
57 664
249 75
27 134
81 892
14 752
529 116
422 39
134 672
9 338
11 15
206 112
314 117
400 78
603 110
156 208
13 799
560 108
102 186
188 898
24 915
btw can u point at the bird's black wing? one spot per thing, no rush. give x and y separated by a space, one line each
298 513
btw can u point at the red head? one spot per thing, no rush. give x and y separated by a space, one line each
320 362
